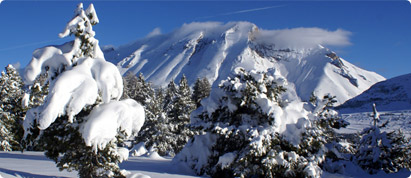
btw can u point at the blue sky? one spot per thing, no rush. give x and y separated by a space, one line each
380 30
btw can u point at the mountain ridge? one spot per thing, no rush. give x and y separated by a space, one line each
213 50
390 95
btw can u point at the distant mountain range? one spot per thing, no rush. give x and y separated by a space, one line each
389 95
214 50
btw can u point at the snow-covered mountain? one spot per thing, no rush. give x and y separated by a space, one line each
213 50
389 95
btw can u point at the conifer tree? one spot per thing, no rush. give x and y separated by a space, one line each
384 151
328 119
155 122
6 138
156 132
169 97
240 131
11 111
183 106
130 85
84 44
201 90
138 89
322 133
154 127
38 91
68 125
170 130
163 140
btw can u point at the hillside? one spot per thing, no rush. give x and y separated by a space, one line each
389 95
213 50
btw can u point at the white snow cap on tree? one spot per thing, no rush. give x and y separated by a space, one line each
77 81
81 23
103 122
76 88
55 59
92 15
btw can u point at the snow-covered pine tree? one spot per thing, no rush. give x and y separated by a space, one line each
382 151
243 121
322 134
81 122
130 84
201 90
38 91
159 131
327 118
138 89
11 111
155 125
85 45
169 96
180 116
171 130
6 138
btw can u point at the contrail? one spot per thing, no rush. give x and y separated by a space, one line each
29 44
240 12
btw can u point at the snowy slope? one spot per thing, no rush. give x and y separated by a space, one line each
390 95
35 164
213 50
396 120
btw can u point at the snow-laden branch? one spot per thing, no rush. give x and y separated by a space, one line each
79 87
104 121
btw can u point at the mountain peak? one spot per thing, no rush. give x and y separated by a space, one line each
213 50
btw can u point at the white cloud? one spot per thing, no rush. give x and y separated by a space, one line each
155 32
16 65
304 37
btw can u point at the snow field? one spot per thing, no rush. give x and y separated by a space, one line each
397 120
36 165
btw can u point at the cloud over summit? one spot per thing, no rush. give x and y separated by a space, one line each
304 37
293 38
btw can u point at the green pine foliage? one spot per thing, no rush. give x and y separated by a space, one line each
180 116
328 119
382 151
201 90
62 140
174 130
64 145
38 91
166 129
322 136
85 37
138 89
11 109
244 134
